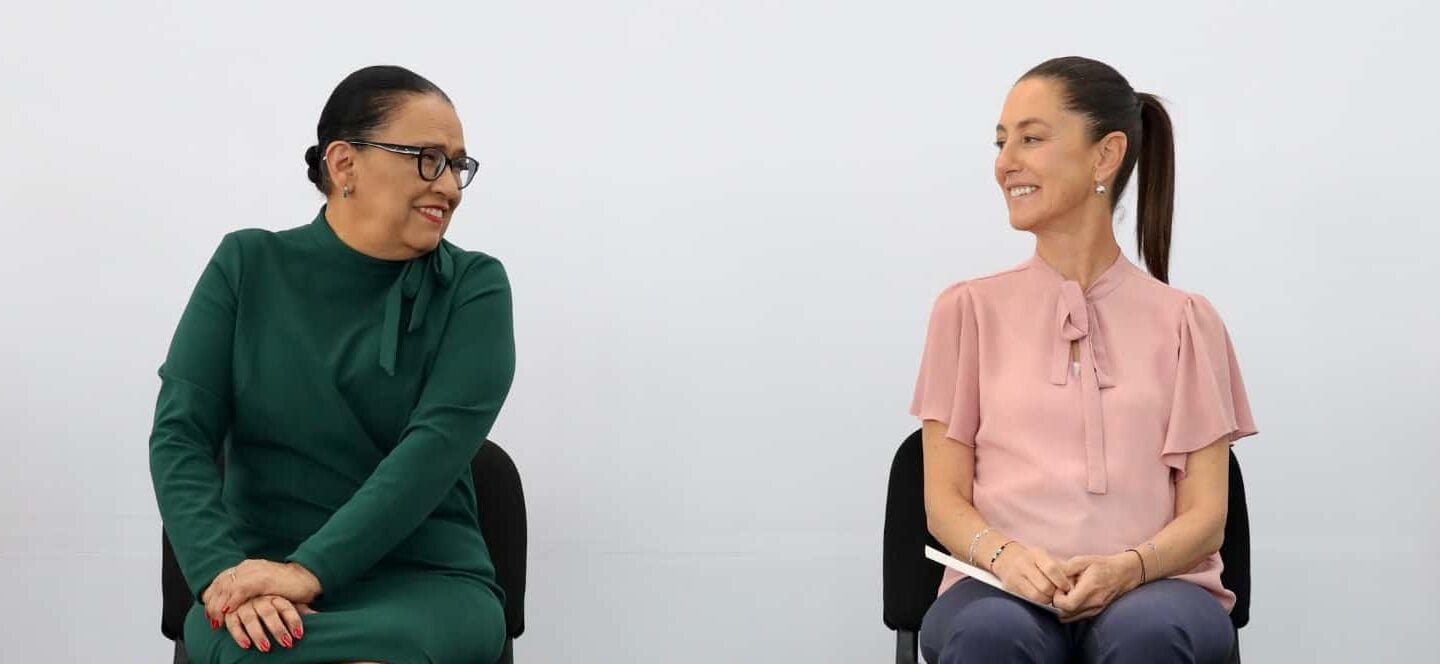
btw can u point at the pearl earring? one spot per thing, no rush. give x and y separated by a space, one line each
345 191
1099 188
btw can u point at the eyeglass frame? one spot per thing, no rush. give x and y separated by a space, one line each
418 152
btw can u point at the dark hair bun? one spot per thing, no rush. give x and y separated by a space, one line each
312 159
360 105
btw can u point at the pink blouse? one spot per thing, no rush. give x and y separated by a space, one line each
1081 459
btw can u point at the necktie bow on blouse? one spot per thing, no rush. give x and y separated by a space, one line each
417 282
1076 322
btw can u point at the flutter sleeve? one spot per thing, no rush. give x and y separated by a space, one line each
948 387
1209 401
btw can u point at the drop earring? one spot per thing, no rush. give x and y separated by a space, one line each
1099 188
345 191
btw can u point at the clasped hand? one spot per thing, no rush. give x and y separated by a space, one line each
1080 587
257 595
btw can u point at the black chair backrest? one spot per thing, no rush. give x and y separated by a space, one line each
910 581
500 501
1235 551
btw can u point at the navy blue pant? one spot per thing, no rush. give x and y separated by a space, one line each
1164 621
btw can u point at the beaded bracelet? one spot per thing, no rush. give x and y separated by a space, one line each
997 554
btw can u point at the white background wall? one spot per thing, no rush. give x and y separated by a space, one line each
725 223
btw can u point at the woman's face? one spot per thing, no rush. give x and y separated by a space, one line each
409 211
1048 165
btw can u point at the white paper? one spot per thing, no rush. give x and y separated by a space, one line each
979 575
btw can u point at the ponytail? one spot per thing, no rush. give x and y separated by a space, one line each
1156 186
1095 90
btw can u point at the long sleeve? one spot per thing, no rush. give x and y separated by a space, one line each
470 378
192 415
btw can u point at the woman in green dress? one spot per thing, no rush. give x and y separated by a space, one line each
354 364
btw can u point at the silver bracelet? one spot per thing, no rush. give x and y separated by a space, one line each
974 542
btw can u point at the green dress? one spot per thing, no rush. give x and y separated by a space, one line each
354 393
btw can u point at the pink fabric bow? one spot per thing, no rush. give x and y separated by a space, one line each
1076 321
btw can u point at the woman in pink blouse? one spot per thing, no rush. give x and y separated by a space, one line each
1077 410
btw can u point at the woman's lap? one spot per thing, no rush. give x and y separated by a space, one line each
1172 620
974 622
1167 620
396 618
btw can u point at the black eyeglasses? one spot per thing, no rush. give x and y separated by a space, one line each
431 161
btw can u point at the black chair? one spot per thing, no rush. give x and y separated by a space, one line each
501 503
910 581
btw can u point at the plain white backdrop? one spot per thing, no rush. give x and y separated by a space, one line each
725 223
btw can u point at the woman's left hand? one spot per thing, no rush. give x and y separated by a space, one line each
266 617
1099 580
254 578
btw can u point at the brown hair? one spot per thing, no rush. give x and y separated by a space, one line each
1095 90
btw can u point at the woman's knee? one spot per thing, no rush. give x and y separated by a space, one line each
1156 632
989 629
1176 622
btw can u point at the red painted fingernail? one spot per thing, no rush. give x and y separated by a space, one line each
244 643
285 641
264 646
299 632
225 610
214 624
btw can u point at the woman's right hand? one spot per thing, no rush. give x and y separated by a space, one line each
281 617
253 578
1031 573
